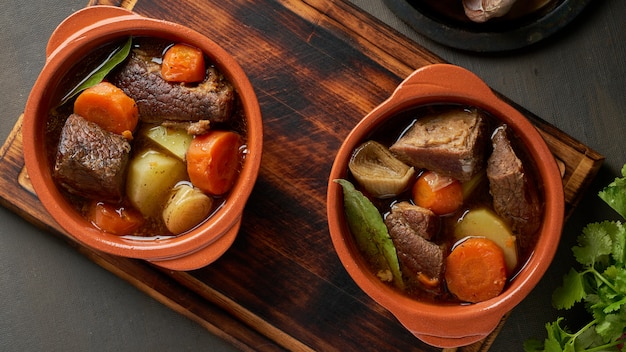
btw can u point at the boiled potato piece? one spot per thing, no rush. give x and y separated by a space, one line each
186 208
483 222
151 176
174 140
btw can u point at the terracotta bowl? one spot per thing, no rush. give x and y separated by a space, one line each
79 35
449 325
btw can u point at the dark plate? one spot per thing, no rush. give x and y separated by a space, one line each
445 22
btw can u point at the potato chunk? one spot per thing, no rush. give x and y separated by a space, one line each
151 176
174 140
483 222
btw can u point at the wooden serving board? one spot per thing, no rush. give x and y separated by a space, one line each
317 67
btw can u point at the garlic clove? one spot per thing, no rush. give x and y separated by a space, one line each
186 208
483 10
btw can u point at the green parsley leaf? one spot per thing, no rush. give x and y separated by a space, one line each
593 245
558 339
587 339
620 281
600 284
570 292
533 345
612 327
615 194
617 231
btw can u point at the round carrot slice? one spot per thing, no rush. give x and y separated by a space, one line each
476 270
213 161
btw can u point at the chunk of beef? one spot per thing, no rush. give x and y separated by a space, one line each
515 197
159 100
421 260
194 128
451 143
90 161
405 216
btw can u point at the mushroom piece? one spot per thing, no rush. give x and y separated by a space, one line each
482 10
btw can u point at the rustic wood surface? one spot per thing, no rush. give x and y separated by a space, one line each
318 67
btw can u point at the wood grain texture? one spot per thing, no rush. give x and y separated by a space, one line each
317 67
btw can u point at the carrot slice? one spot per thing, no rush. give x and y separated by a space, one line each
213 161
117 220
109 107
441 194
476 270
183 63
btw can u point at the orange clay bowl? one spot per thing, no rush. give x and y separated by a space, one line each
78 35
448 325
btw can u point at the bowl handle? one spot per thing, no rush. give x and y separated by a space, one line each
440 332
74 24
203 256
442 80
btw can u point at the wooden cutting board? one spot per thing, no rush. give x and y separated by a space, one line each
317 67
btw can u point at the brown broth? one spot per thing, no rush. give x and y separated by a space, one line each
153 227
390 132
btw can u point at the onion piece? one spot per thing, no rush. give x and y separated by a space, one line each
378 171
186 208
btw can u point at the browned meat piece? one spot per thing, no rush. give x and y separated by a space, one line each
90 161
194 128
451 143
515 198
159 100
421 261
405 216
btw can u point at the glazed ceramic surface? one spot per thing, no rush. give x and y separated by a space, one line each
450 325
79 35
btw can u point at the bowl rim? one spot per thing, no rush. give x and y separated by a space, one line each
431 316
75 47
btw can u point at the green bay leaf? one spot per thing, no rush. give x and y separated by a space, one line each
116 57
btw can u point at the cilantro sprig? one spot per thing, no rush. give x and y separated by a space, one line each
600 284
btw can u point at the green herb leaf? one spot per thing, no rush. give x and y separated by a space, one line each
617 231
116 57
615 194
593 245
620 281
570 292
589 338
558 339
600 284
533 345
369 230
612 327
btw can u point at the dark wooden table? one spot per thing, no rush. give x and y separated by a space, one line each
50 290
